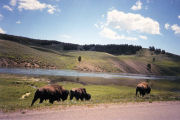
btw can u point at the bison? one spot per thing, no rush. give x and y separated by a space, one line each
51 93
143 88
79 93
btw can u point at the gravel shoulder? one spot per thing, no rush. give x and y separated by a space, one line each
121 111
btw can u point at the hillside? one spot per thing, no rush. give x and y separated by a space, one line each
29 54
60 46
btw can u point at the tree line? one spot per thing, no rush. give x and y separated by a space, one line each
157 51
56 45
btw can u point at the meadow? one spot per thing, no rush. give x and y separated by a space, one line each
13 87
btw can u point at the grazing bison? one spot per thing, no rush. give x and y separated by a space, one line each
51 93
79 93
143 88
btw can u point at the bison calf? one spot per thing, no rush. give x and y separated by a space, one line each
79 93
143 88
51 93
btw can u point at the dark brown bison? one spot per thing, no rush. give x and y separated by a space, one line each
143 88
79 93
51 93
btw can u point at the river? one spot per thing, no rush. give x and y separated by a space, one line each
74 73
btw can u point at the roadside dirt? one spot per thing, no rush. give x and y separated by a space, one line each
125 111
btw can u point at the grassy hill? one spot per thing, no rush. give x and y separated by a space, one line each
30 53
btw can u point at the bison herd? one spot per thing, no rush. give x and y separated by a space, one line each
58 93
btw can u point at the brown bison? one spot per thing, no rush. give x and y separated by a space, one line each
143 88
51 93
79 93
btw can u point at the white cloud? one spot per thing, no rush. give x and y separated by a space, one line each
2 31
132 22
143 37
31 5
110 34
103 16
173 27
7 8
178 16
64 36
1 16
176 29
36 5
146 8
166 26
137 6
51 9
13 2
18 22
96 25
99 25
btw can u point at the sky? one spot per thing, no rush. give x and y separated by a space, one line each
136 22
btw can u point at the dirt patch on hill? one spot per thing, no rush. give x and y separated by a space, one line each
15 62
133 66
124 66
88 67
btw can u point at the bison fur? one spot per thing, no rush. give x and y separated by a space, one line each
143 88
79 93
51 93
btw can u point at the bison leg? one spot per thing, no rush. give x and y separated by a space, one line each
41 100
34 100
58 99
140 93
136 91
71 95
36 96
77 98
51 101
143 93
81 97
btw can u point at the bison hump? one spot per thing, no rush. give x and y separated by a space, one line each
143 85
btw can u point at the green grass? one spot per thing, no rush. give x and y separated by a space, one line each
11 90
13 87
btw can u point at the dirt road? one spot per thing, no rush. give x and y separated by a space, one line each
129 111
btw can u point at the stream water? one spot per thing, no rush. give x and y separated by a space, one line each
74 73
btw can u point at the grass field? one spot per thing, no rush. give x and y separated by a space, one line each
12 87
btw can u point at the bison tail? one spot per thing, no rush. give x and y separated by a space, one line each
36 96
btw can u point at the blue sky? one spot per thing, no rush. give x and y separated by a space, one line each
138 22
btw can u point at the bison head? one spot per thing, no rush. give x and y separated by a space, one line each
71 94
87 96
65 94
148 90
